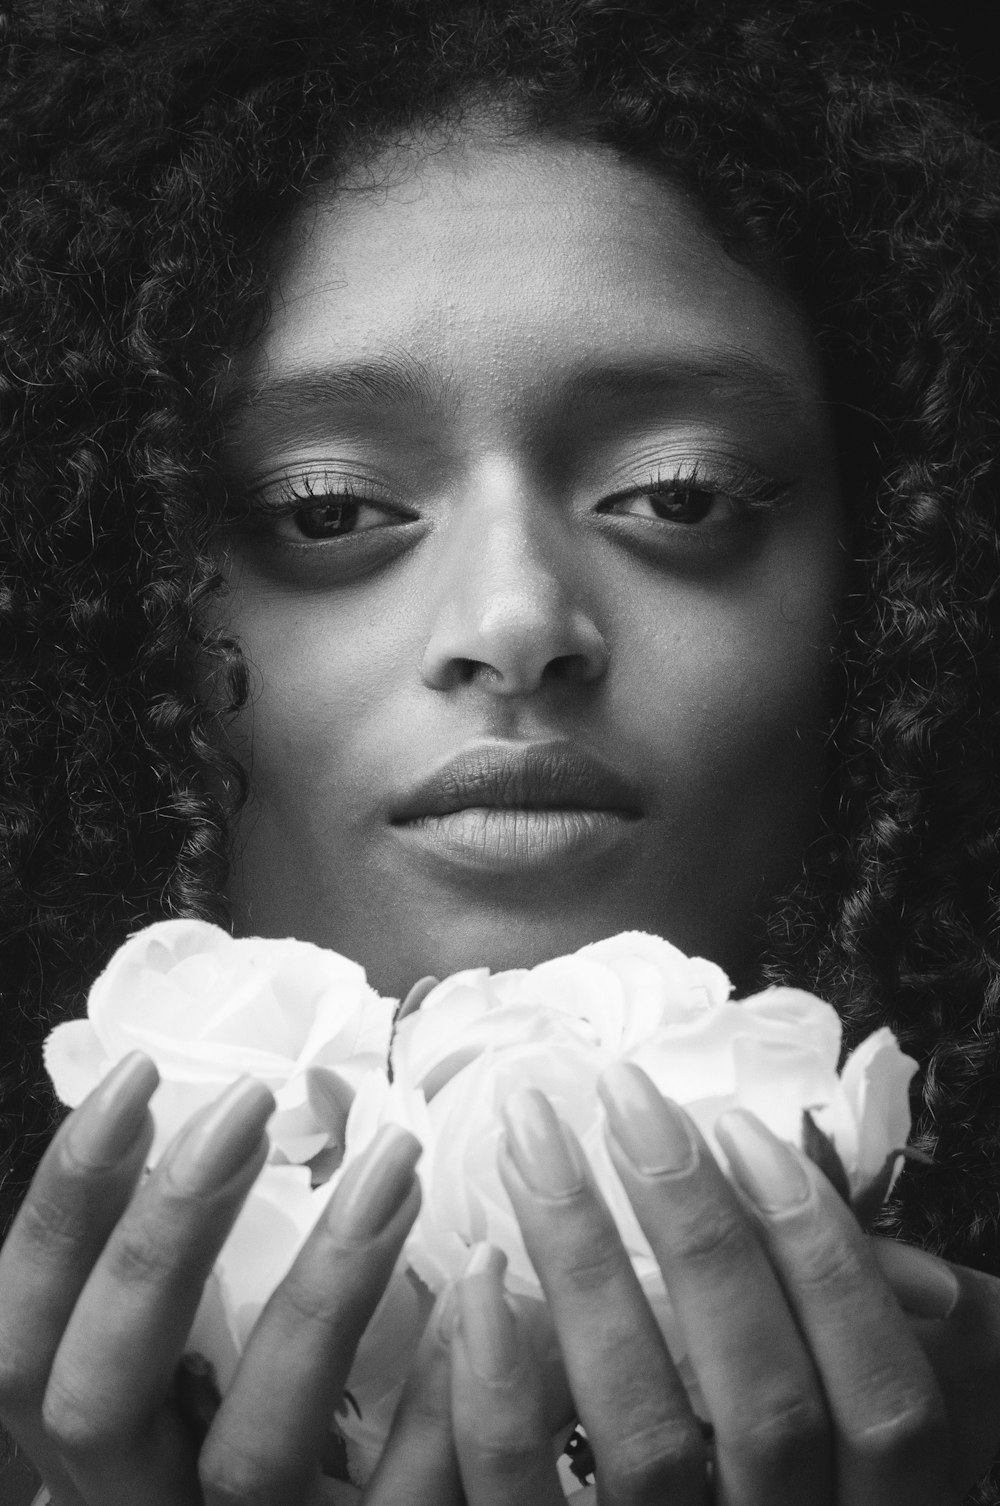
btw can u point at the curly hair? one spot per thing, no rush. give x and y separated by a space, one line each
151 153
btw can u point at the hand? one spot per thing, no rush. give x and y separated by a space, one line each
100 1279
821 1391
955 1314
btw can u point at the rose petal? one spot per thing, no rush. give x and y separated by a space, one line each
75 1060
875 1080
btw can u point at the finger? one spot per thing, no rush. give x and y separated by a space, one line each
955 1315
535 1321
504 1449
764 1396
645 1437
419 1465
79 1192
891 1428
115 1364
267 1438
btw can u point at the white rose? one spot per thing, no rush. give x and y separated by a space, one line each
481 1038
776 1054
208 1008
613 994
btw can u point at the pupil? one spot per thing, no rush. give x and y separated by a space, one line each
328 520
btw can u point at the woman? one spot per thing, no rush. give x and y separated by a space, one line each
549 449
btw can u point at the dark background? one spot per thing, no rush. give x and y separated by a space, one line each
951 37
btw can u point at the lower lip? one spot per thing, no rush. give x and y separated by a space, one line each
502 840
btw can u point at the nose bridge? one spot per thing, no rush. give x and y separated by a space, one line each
505 558
509 593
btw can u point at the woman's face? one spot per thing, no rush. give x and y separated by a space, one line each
540 599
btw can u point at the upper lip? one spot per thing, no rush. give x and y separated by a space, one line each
531 776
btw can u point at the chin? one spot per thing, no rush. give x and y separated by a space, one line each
453 942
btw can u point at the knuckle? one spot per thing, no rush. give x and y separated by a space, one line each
307 1302
506 1451
591 1262
828 1265
912 1432
222 1488
137 1258
783 1432
498 1454
649 1459
71 1421
49 1222
711 1234
229 1478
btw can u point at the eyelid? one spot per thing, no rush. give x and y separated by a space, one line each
293 490
752 489
260 507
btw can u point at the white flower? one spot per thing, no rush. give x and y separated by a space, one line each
613 994
478 1037
776 1054
208 1008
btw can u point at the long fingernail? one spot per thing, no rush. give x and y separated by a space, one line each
762 1165
485 1322
541 1149
650 1129
446 1313
109 1121
924 1285
375 1185
220 1140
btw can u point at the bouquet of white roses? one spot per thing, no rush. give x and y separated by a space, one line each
208 1009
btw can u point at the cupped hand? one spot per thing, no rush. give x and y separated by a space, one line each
100 1279
833 1372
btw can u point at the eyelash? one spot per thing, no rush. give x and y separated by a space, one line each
750 490
304 493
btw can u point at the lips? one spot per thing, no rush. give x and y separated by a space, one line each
521 777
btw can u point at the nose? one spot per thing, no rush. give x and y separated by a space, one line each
509 612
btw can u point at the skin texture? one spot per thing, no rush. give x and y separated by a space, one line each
513 584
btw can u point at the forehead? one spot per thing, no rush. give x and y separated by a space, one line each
507 267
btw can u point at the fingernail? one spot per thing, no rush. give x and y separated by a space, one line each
376 1183
924 1285
650 1129
110 1119
218 1142
447 1311
762 1165
541 1149
485 1322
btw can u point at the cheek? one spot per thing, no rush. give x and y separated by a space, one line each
320 675
732 696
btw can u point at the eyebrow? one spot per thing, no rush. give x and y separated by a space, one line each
404 382
391 382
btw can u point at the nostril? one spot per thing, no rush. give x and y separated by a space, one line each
508 653
569 667
458 671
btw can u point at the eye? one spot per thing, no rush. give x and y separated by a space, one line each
675 503
720 497
333 518
315 507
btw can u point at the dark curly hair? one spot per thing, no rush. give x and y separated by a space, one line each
152 151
